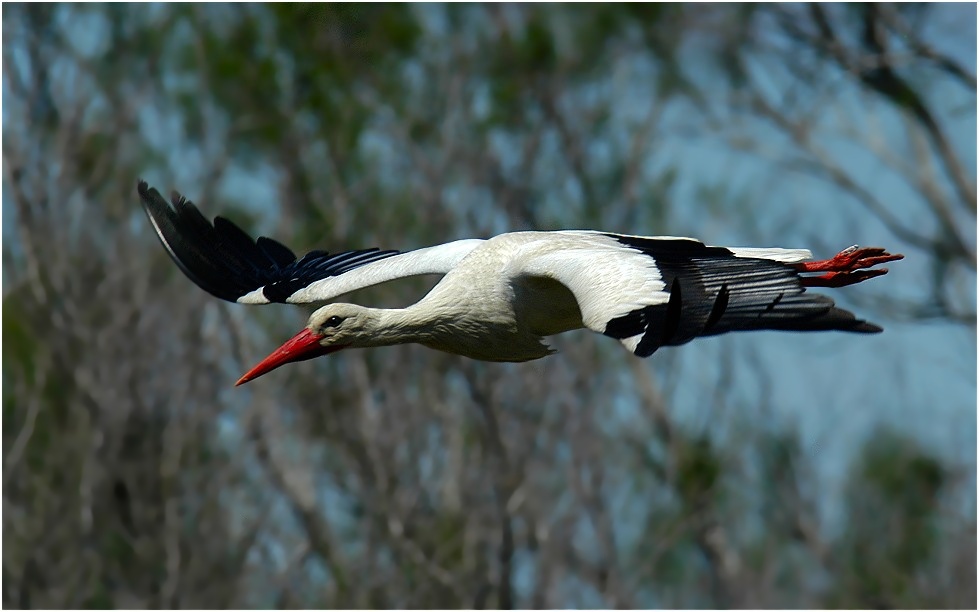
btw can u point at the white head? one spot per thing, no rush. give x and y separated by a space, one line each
331 328
343 325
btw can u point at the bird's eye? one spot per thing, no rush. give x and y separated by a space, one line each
333 321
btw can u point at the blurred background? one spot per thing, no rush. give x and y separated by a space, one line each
752 470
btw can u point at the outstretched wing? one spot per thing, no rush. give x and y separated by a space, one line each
652 292
226 262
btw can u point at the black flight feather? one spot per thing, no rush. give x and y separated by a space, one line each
225 261
721 293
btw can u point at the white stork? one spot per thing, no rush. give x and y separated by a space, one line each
501 296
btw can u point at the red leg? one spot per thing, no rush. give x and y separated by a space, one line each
848 260
843 267
841 279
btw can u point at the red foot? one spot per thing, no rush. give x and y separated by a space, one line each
842 268
841 279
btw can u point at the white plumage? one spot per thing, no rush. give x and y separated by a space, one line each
500 297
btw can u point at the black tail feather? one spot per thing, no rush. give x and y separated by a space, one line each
801 312
722 293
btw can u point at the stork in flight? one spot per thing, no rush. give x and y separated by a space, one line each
499 297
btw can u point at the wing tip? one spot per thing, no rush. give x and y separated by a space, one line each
865 327
225 261
187 237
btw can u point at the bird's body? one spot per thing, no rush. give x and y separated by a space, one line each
520 295
506 314
499 298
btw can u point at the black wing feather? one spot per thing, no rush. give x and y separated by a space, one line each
225 261
712 292
280 254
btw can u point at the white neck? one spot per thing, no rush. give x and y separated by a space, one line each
391 326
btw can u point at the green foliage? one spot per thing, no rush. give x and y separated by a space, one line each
698 471
893 504
19 345
535 49
902 473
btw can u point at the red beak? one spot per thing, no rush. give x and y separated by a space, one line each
304 345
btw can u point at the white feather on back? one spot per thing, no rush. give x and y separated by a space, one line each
607 278
774 254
